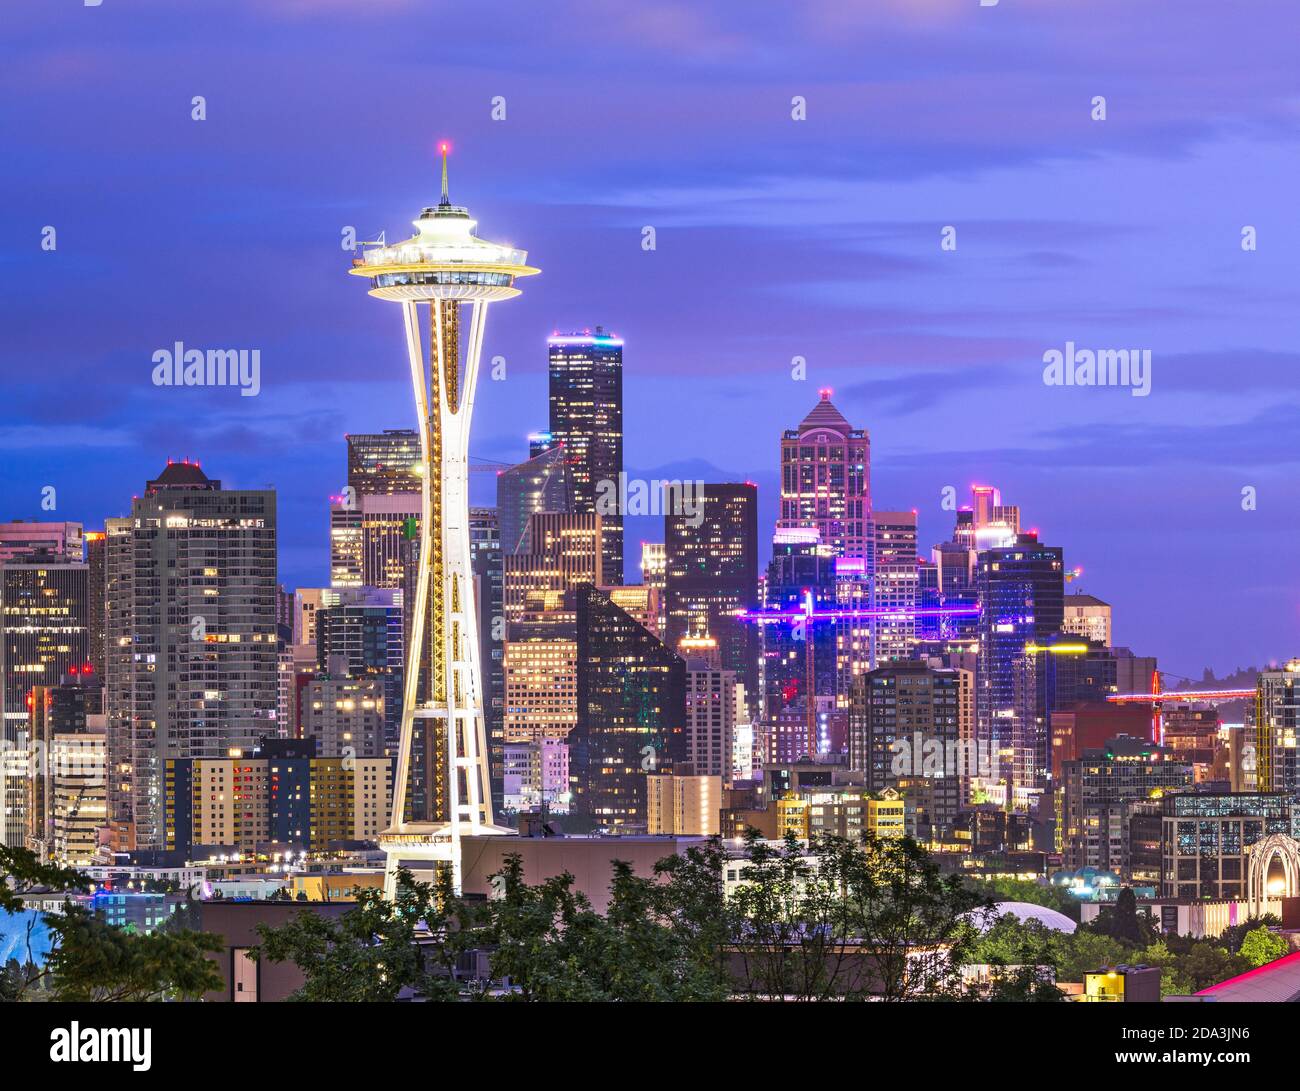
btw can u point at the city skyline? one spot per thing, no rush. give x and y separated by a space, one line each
857 565
938 355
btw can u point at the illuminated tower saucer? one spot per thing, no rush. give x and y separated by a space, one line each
446 266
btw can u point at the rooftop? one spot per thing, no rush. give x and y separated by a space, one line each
825 415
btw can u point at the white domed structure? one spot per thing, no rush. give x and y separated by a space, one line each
1028 911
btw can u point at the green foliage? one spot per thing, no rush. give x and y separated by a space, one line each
1023 985
1234 935
1207 964
848 920
1123 922
1027 890
1010 941
549 943
370 953
1187 965
93 961
21 872
1261 946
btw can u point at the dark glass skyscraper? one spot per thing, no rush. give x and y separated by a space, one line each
1021 591
587 418
711 575
543 483
631 713
486 564
384 462
800 567
44 608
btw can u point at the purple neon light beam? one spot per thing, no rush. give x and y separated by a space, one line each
764 616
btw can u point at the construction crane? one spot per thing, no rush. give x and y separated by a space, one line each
806 615
1159 696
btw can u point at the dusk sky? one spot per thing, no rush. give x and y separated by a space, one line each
776 238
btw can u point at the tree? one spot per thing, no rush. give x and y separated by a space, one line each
371 953
1261 946
1122 921
1173 981
21 872
1027 890
1009 941
692 902
537 934
1023 985
93 961
791 938
915 923
1232 936
1207 964
1086 951
855 920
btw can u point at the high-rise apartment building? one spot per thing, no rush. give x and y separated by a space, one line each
96 543
364 630
913 725
895 584
586 400
683 805
1277 725
1206 838
191 661
489 586
537 776
66 765
346 548
715 703
541 677
826 480
798 656
654 564
282 793
345 716
1097 796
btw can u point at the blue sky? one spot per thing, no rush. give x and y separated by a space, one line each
775 238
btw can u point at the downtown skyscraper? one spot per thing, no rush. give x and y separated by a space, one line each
384 462
711 576
826 480
1277 725
542 484
631 713
44 634
1021 588
586 417
191 658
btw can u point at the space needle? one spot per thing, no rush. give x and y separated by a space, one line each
448 267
